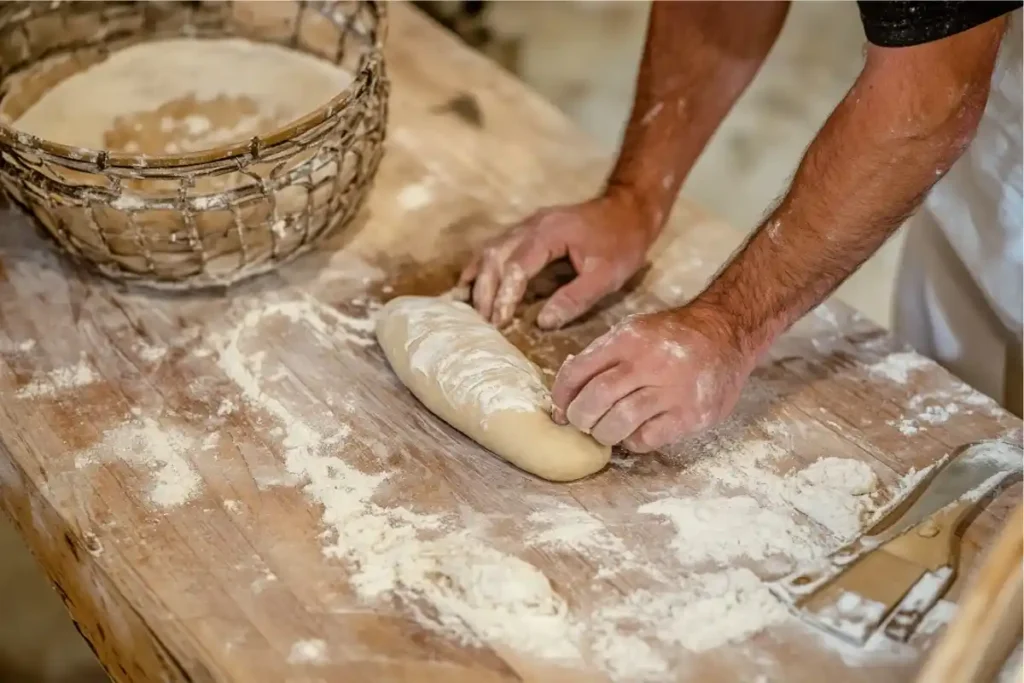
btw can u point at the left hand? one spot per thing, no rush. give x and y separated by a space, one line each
653 379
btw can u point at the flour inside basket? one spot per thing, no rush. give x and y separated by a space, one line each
181 95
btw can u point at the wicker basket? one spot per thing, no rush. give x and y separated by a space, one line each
211 217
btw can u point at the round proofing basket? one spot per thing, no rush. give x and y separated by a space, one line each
204 218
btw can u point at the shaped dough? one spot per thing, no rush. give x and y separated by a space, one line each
466 373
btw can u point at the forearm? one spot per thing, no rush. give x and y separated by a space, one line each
698 59
883 148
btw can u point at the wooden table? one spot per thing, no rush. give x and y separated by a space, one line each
216 484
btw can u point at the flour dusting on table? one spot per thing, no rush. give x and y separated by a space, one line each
163 453
313 651
898 367
834 493
741 518
60 380
454 583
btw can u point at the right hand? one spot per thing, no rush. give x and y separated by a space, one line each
606 239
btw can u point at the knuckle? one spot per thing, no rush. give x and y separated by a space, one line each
645 439
636 444
606 384
635 407
604 437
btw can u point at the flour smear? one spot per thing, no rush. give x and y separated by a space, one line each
161 454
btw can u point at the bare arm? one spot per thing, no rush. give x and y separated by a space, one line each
656 378
908 117
698 58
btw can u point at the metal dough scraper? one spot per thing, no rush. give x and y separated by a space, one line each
887 579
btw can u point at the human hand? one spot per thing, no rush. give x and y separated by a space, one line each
653 379
606 239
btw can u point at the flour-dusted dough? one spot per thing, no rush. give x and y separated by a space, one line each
465 372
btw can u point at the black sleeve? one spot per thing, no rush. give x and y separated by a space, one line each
902 24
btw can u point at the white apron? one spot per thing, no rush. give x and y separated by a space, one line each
959 291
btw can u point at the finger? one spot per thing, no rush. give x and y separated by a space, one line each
626 416
469 273
575 298
528 259
577 371
659 431
599 395
486 283
557 414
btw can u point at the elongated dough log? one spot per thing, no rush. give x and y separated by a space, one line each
468 374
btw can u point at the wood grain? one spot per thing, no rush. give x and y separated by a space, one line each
987 624
153 451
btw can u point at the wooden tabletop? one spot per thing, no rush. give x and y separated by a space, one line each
236 488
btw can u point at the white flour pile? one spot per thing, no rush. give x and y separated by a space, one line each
255 86
833 492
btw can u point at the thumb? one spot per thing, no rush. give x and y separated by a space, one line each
576 298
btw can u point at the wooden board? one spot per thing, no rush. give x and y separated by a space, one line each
236 488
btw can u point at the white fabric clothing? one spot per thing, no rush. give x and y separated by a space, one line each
959 292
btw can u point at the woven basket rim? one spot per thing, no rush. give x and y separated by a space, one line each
31 144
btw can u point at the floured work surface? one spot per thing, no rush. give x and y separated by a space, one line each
238 488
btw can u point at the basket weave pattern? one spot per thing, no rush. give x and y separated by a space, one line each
212 217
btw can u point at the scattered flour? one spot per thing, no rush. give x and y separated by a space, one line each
706 611
898 367
452 583
716 529
573 528
260 584
720 530
226 407
60 380
11 346
149 353
162 451
833 492
416 196
313 651
446 575
931 408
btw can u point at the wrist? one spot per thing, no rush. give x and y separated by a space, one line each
640 203
726 327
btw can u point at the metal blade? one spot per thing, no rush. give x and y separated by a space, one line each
966 473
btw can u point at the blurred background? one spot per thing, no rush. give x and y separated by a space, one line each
582 55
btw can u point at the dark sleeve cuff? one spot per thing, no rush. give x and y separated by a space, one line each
903 24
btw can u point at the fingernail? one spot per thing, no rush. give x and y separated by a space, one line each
558 415
548 320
